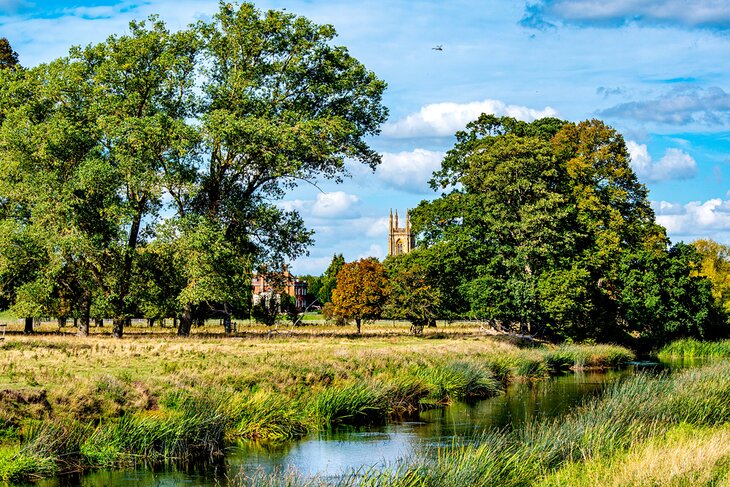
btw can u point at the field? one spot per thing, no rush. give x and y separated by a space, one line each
69 403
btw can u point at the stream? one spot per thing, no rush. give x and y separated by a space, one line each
330 453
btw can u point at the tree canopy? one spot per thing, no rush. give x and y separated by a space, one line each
361 292
536 226
149 165
8 57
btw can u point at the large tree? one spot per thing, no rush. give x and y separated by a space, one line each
206 127
539 218
87 154
281 105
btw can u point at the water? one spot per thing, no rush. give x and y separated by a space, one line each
329 454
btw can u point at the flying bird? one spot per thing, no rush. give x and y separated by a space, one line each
438 48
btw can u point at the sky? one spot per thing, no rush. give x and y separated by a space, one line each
656 70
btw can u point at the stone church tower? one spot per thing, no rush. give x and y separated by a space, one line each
400 239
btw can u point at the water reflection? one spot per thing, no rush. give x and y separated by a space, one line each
333 452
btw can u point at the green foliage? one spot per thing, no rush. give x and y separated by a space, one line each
691 348
412 296
208 126
665 298
8 57
329 279
355 404
715 265
545 230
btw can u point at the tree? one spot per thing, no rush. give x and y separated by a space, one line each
538 217
412 296
281 105
8 57
715 265
329 279
361 292
663 296
210 125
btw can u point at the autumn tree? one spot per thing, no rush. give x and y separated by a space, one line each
361 292
715 265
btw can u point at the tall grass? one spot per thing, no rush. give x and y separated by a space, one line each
107 402
690 348
644 410
684 456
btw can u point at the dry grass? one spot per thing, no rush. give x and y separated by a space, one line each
684 457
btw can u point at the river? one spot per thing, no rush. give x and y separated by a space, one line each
328 454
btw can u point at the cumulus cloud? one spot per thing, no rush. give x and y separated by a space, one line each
444 119
680 106
706 14
694 219
409 170
674 165
336 204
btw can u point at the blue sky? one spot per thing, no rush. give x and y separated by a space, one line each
654 69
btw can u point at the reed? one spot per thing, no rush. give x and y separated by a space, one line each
614 439
690 348
354 404
80 403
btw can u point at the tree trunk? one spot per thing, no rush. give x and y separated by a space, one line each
118 326
61 323
150 322
357 322
83 325
186 321
120 306
99 322
227 319
28 325
174 321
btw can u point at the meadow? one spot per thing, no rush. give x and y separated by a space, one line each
70 403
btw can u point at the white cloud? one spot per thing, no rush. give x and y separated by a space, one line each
694 219
712 14
336 204
409 170
374 250
674 165
378 228
684 105
444 119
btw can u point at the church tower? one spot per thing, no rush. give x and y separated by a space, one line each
400 239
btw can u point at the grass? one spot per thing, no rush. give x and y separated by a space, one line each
683 456
647 430
691 349
72 403
628 421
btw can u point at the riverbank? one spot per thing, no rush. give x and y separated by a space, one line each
645 431
70 404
